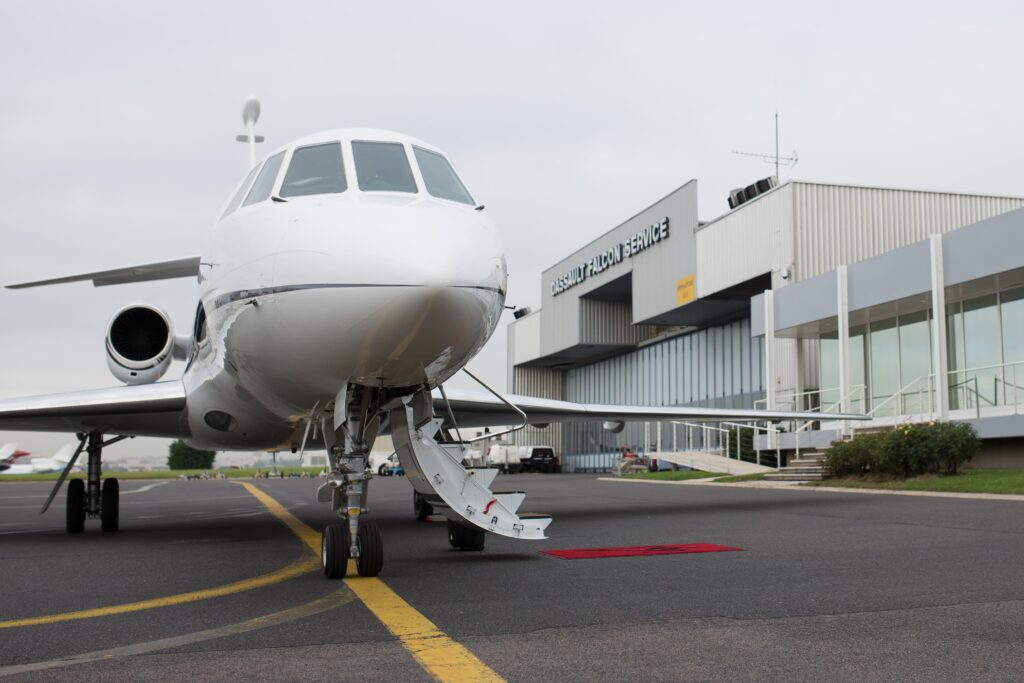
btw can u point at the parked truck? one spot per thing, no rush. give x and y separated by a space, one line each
514 459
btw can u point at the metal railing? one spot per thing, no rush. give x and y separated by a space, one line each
812 400
969 392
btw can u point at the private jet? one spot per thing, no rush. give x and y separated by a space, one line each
57 463
350 275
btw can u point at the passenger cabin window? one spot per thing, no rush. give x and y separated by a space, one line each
264 184
439 177
382 167
237 199
315 170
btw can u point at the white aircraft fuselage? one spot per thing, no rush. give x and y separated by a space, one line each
304 296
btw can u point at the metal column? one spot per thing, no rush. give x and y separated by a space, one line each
843 316
769 348
940 351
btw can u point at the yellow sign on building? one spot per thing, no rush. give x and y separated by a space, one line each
686 290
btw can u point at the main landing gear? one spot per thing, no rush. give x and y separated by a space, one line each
94 498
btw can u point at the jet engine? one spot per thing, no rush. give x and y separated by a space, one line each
140 344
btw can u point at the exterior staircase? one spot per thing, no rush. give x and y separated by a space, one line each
808 467
436 472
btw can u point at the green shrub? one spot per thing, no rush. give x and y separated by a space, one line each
859 455
958 443
907 450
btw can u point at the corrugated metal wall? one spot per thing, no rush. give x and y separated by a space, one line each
837 224
542 383
718 366
610 322
754 239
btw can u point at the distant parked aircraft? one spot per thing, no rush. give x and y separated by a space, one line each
9 464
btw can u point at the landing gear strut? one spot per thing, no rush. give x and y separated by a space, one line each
92 498
348 481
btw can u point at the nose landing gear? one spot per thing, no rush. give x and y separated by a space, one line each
347 484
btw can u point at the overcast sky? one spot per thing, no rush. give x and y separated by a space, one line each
118 120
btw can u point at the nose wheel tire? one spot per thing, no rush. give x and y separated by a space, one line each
109 505
334 546
74 521
371 550
463 537
420 507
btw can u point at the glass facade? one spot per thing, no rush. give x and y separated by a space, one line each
985 338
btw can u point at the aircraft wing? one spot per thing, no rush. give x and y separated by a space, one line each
479 409
161 270
142 410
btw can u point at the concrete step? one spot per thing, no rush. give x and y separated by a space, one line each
797 462
786 476
809 469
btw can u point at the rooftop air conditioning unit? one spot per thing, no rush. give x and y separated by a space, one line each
745 194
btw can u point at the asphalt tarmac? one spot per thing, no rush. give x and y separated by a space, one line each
829 586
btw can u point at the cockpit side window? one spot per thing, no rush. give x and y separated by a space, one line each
382 167
264 184
439 177
237 199
199 335
315 170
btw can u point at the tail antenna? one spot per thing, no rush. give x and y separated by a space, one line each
250 115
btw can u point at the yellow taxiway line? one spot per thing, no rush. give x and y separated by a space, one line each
442 657
302 566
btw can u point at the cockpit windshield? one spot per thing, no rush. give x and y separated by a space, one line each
264 184
315 170
439 177
237 199
382 167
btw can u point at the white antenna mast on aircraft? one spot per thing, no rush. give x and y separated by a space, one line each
250 115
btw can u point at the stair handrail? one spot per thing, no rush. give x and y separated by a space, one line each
792 396
704 427
1012 365
504 400
768 428
870 415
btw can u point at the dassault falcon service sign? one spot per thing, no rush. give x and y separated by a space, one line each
617 253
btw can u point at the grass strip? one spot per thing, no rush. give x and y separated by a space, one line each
968 481
732 479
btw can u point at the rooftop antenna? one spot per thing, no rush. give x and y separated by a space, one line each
789 161
250 115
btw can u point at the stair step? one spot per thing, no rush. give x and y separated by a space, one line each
437 471
786 476
484 476
510 499
802 470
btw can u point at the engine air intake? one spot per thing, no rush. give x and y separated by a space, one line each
139 334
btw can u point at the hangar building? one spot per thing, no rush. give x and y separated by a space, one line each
807 295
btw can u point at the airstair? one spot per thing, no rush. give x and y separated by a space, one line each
436 472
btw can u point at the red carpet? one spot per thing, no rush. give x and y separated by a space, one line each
636 550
